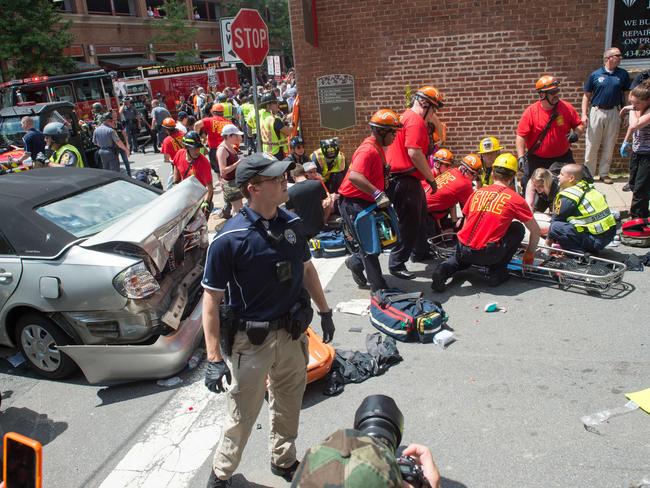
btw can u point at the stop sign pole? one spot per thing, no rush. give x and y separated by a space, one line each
250 42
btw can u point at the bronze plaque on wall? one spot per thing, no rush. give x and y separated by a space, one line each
336 101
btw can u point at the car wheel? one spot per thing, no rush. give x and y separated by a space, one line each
39 339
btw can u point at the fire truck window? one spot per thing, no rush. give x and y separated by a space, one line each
36 94
62 93
87 90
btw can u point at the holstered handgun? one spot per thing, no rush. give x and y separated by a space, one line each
228 329
300 315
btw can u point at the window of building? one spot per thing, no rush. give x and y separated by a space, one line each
64 5
123 7
111 7
155 8
206 10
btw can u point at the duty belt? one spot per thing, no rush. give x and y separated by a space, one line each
276 324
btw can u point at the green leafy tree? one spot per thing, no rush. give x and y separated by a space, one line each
174 29
32 39
276 15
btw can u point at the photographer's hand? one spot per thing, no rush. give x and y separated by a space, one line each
423 457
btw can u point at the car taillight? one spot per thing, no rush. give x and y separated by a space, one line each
136 282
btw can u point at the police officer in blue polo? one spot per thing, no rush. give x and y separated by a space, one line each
258 283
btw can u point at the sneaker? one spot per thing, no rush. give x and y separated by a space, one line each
421 258
627 187
285 473
214 482
607 180
357 271
438 281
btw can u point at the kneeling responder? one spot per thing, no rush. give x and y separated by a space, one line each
582 220
443 160
454 187
489 236
331 163
364 185
488 149
63 154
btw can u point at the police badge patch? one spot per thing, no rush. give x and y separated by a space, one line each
290 236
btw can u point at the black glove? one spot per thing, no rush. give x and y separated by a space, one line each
572 137
214 374
522 162
433 185
327 324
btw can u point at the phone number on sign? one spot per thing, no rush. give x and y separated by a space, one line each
639 53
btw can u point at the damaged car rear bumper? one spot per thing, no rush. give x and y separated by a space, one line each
121 363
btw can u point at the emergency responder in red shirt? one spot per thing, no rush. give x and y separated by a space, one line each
363 185
171 145
535 151
190 162
454 187
212 126
489 236
443 160
408 165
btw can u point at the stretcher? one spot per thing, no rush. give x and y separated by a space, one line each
321 357
557 266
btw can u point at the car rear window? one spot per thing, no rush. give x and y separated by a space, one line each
96 209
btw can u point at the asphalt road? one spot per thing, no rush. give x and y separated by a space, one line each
499 407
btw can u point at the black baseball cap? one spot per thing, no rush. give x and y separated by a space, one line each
260 164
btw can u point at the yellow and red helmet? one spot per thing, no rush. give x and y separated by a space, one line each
385 119
169 123
546 83
444 156
472 162
432 95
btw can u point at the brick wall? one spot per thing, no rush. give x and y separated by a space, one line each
484 56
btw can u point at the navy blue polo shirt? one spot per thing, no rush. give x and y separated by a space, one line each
34 142
607 88
242 262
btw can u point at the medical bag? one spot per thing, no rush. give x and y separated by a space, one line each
376 229
328 244
406 316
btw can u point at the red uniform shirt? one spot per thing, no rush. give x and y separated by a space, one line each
453 188
414 135
172 144
200 167
368 160
212 126
534 120
489 213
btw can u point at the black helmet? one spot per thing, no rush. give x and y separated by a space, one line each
97 107
330 147
57 131
297 141
268 98
192 139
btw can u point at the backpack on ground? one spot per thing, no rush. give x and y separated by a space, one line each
328 244
406 316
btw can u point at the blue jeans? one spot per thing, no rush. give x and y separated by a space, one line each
570 239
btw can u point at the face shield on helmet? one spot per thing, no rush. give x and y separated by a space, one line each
330 147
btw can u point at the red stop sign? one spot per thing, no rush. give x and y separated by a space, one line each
250 37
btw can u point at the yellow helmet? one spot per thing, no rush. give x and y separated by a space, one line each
489 144
507 161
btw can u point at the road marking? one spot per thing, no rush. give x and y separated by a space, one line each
176 443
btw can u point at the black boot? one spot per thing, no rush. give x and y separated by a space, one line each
285 473
357 271
214 482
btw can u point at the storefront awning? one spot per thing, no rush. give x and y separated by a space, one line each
126 62
81 66
166 58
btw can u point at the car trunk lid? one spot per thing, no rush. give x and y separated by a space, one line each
156 227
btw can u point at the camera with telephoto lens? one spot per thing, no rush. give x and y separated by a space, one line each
380 418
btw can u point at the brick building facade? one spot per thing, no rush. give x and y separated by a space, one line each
484 56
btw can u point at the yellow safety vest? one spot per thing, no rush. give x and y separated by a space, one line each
250 119
337 167
227 110
58 154
595 216
247 108
271 143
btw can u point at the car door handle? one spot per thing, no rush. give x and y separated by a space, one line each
4 277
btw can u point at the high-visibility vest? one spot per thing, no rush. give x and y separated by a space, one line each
594 215
271 143
246 108
56 156
227 110
250 119
336 167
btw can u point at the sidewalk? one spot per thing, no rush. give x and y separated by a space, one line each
616 198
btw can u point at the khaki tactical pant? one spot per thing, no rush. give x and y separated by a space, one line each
284 362
602 131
